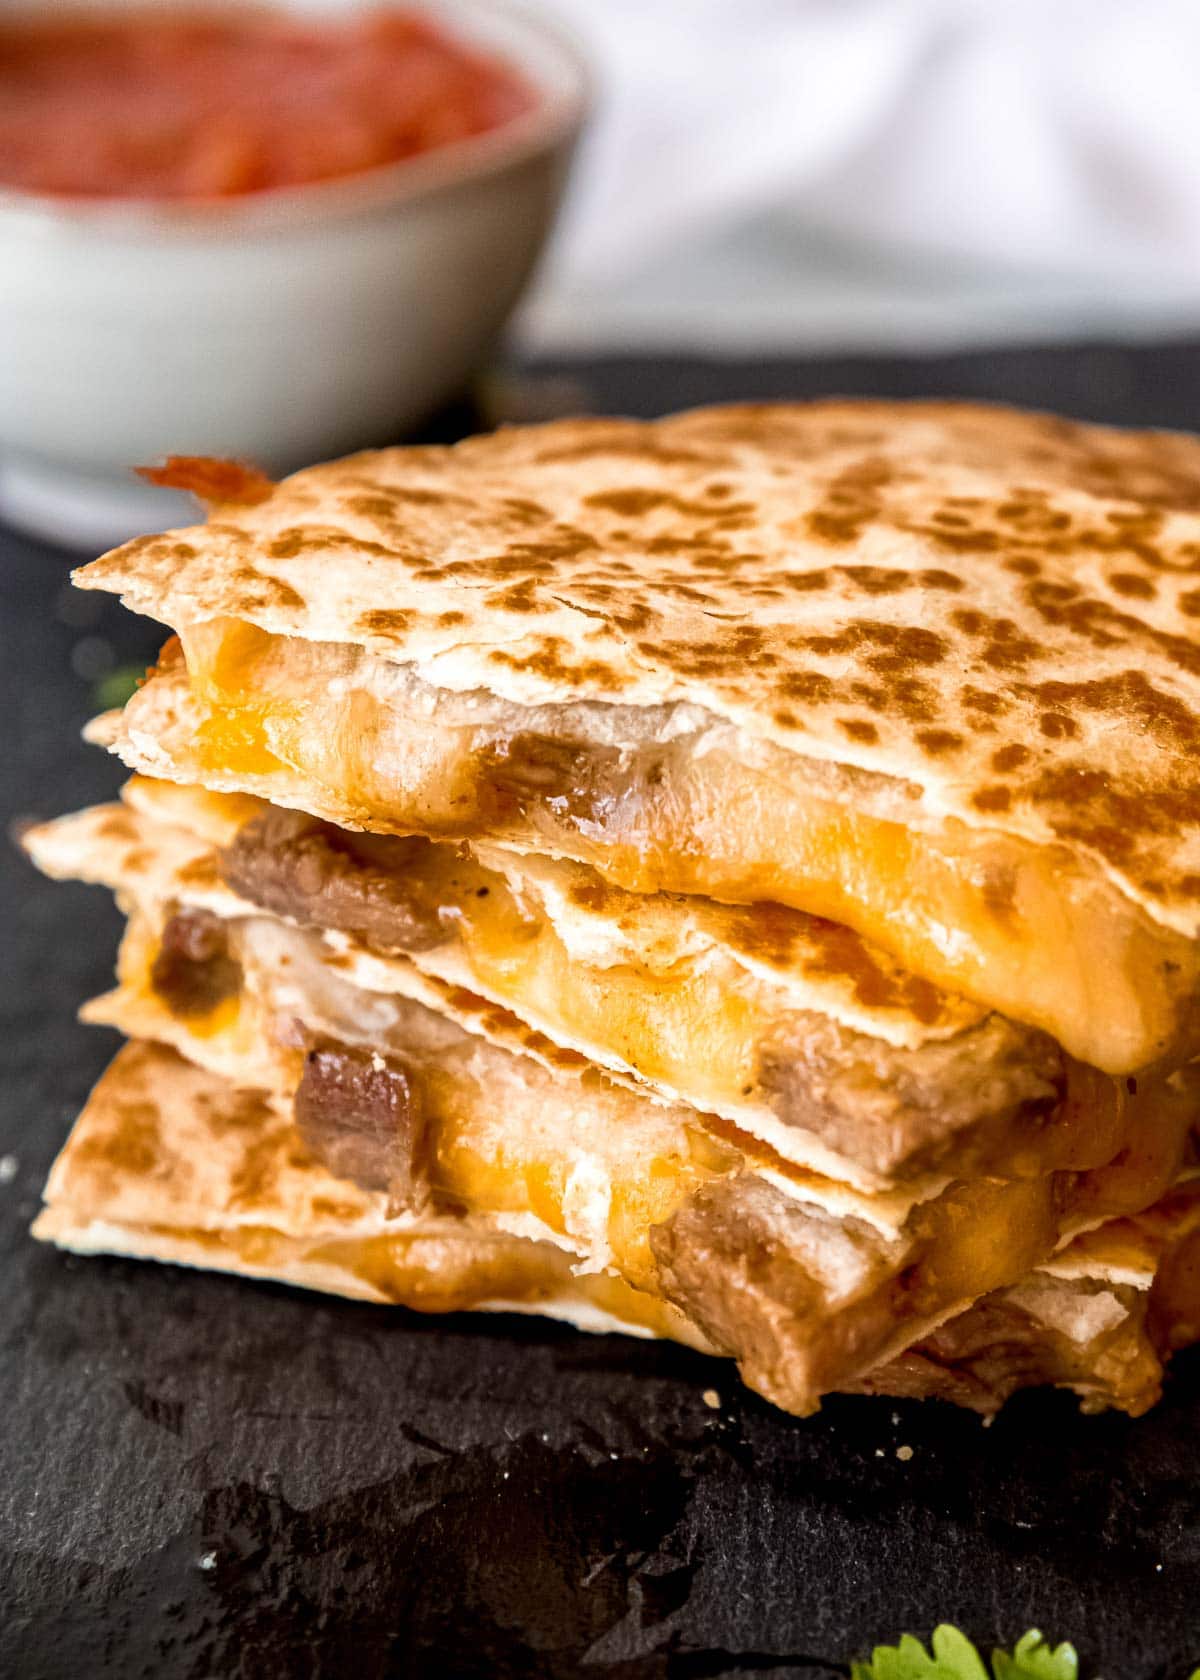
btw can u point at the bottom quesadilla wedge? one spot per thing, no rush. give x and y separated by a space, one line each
779 1268
447 1105
172 1163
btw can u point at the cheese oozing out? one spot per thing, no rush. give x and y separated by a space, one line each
221 1186
805 1298
1036 932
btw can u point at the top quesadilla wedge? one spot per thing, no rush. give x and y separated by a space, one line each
926 670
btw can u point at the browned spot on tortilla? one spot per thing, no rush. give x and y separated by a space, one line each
132 1147
939 741
852 501
385 621
262 590
1010 757
787 939
1133 584
316 539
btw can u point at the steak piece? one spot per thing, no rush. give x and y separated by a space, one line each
993 1099
807 1301
766 1278
1010 1341
582 783
319 876
194 970
360 1115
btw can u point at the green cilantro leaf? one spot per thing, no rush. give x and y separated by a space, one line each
953 1657
1033 1659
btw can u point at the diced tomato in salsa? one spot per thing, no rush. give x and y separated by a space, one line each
206 105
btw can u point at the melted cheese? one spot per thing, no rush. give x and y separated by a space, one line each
521 1276
502 1140
601 1170
680 1012
1028 930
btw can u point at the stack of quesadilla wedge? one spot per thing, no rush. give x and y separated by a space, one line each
735 878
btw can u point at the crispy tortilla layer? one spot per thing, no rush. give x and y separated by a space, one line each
1035 932
967 614
764 1258
668 998
171 1163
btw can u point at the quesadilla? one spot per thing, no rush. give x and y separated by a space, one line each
928 671
792 1028
170 1163
417 1090
735 878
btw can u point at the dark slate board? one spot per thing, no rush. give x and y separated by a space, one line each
203 1478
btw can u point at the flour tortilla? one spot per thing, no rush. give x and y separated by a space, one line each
170 1163
974 614
894 1059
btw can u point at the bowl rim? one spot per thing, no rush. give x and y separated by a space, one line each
553 122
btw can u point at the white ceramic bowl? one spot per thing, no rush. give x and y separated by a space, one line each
282 327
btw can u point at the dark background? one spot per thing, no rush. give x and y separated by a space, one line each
201 1477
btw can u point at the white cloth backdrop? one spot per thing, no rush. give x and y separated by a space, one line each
799 173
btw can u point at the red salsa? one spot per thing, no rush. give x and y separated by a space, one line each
195 104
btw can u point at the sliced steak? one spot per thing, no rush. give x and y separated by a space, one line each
992 1098
320 876
360 1115
576 780
195 970
807 1301
765 1277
